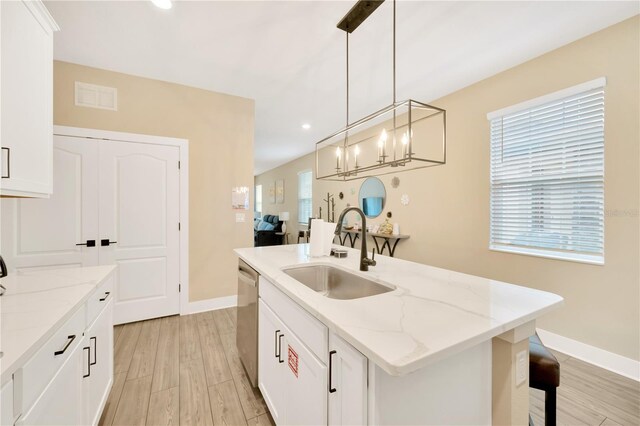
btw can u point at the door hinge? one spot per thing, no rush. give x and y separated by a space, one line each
178 164
178 226
179 288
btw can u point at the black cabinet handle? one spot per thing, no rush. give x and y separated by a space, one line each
106 242
3 268
275 345
106 294
280 347
70 339
95 351
88 348
331 388
89 243
8 171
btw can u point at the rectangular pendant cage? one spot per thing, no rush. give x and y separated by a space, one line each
403 136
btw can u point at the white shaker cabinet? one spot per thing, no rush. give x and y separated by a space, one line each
309 376
97 378
26 110
270 362
58 403
6 404
293 381
305 380
68 378
347 383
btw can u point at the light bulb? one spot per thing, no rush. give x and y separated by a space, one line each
338 152
357 150
383 137
405 139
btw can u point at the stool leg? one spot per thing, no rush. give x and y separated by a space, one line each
550 407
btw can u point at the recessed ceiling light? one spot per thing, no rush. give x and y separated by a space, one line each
306 126
162 4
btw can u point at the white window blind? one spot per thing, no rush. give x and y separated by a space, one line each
258 197
305 207
547 178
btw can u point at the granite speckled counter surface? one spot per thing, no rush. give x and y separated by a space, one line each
433 313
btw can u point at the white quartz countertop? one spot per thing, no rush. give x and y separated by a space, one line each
432 314
36 304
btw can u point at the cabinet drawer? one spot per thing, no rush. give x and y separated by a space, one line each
311 331
44 365
99 299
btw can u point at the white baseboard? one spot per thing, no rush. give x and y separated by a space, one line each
609 361
210 305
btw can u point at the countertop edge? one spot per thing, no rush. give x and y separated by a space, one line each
26 355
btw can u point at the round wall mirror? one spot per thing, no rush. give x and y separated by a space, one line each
372 197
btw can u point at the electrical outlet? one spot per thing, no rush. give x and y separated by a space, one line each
522 367
239 217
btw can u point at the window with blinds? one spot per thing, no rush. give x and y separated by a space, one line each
258 198
547 175
305 207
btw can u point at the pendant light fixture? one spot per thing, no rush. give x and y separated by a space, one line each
405 135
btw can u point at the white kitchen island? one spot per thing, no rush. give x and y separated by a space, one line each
441 348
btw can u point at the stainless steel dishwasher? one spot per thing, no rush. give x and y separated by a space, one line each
247 330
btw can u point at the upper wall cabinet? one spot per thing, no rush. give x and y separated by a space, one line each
26 114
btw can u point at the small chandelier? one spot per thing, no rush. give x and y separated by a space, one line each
405 135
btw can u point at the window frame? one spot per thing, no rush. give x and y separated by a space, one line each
300 173
551 253
257 190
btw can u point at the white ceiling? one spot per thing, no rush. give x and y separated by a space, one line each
290 57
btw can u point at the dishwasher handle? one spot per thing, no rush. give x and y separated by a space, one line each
245 278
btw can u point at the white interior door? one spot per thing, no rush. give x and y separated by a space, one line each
45 233
139 215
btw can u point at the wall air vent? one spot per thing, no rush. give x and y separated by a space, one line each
94 96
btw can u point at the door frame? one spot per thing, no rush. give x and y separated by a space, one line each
183 148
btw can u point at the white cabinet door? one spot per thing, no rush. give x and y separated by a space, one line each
27 98
99 375
139 216
293 381
45 233
347 383
271 362
305 383
122 191
61 400
6 404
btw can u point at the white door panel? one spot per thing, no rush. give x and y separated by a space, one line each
122 191
149 276
139 214
43 233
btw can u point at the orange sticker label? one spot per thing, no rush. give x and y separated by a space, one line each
293 360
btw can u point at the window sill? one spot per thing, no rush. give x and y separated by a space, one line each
571 257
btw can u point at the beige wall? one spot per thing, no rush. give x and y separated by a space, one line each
219 128
448 216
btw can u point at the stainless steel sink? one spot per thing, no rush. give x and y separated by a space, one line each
335 283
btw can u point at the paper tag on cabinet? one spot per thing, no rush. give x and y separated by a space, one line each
293 360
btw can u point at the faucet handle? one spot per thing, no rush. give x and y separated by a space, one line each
372 261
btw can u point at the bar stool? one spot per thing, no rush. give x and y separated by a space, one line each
544 374
303 234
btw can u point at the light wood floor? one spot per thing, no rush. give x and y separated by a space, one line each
185 370
182 370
